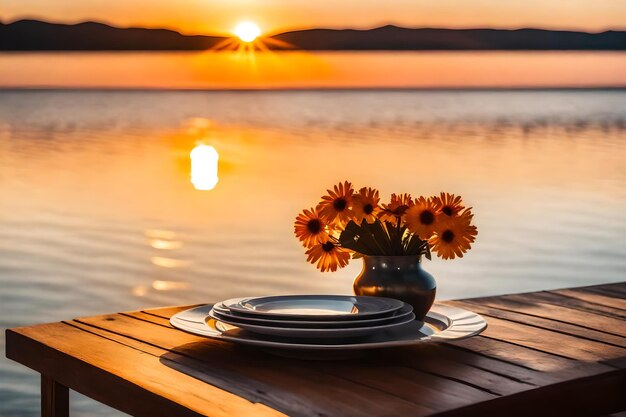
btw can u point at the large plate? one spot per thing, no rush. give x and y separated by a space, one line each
225 313
314 307
311 333
442 323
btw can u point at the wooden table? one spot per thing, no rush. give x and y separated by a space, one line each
545 353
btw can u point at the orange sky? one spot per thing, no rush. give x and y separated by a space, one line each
220 16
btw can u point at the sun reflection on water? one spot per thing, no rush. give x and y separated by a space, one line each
204 167
161 285
142 290
165 244
168 262
139 290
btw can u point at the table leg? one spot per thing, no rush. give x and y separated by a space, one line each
55 398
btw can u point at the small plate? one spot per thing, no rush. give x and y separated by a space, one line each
315 333
224 313
315 307
442 323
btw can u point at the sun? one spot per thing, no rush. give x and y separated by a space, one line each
247 31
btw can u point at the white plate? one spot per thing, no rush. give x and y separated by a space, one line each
442 323
314 307
319 333
225 313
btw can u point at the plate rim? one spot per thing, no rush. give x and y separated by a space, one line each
405 310
238 307
337 331
455 327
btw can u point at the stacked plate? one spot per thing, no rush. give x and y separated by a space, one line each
322 323
314 316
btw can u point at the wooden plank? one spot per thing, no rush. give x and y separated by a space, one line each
114 337
595 298
150 318
578 304
489 374
527 304
55 398
167 312
583 397
556 366
547 341
429 360
252 389
612 290
471 359
487 309
410 384
121 377
280 378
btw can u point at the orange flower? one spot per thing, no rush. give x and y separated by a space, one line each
421 218
455 237
398 205
365 205
328 256
310 228
336 207
449 206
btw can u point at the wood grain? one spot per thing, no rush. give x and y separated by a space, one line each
441 365
547 353
505 313
593 297
529 305
278 377
124 378
578 303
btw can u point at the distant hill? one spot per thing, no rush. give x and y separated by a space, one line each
397 38
34 35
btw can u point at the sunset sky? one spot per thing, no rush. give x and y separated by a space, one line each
221 16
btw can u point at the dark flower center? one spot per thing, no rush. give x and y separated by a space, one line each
368 209
314 226
427 217
340 204
447 210
328 246
447 236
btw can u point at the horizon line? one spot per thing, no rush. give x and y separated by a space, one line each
42 88
286 30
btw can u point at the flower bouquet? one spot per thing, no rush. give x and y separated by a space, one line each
391 238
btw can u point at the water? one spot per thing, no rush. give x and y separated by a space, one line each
234 70
98 214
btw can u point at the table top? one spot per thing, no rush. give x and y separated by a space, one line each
544 353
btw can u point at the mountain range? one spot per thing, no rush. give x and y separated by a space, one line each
35 35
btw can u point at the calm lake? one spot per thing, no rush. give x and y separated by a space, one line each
98 212
220 70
